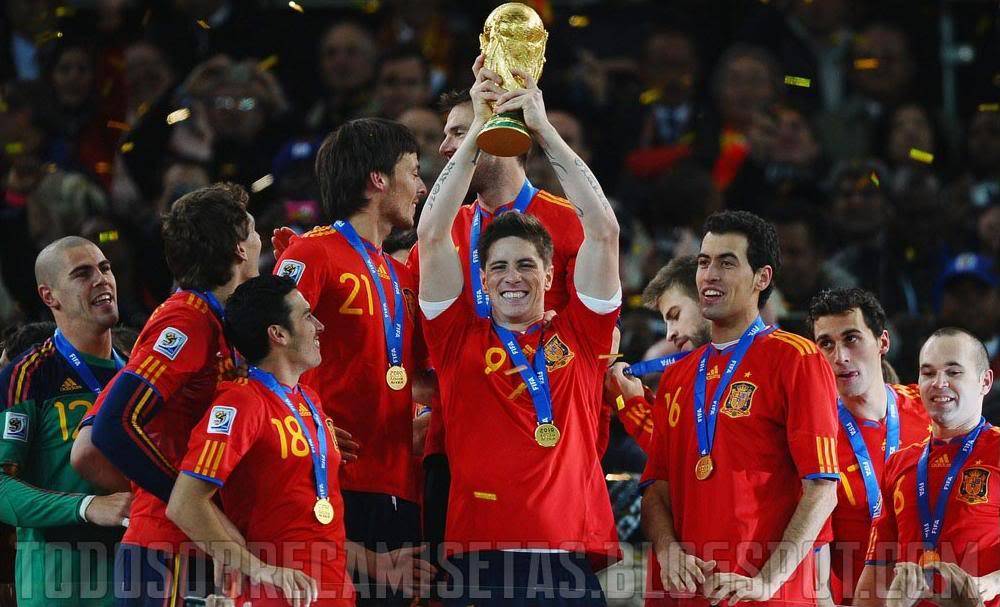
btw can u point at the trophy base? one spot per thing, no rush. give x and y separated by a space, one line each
504 135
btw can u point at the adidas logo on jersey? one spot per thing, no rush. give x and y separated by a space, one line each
70 386
383 273
712 374
942 462
304 411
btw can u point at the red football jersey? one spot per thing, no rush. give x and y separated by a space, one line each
559 218
506 490
249 444
970 536
351 379
851 522
182 353
777 425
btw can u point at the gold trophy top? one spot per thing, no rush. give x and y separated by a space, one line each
514 37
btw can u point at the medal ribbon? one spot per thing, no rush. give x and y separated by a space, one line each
654 364
75 359
535 375
393 326
706 422
318 455
930 528
872 491
520 205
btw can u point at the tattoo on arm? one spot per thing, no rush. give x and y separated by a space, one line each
555 163
437 185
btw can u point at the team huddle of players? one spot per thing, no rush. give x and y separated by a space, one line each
258 442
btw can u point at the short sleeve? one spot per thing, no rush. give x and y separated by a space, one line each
592 330
811 420
19 428
224 435
444 331
304 262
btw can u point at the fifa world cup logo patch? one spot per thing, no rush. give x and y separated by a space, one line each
975 487
739 400
557 354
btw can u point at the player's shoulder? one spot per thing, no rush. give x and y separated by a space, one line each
312 395
786 344
906 458
236 387
547 202
908 400
183 317
33 370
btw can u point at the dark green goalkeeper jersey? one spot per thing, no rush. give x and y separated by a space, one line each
61 559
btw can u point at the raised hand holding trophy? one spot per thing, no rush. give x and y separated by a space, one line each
513 38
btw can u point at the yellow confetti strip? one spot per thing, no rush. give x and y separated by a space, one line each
649 96
875 180
108 236
127 147
295 7
204 24
868 63
921 156
268 63
115 124
14 148
178 115
798 81
579 21
989 107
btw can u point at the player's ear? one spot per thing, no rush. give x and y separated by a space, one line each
277 334
549 277
378 180
762 278
48 297
241 252
883 343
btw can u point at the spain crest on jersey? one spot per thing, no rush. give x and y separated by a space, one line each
557 354
292 268
975 487
739 400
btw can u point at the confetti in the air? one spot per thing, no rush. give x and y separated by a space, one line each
579 21
178 115
921 156
108 236
868 63
204 24
989 107
798 81
875 180
262 183
295 6
127 147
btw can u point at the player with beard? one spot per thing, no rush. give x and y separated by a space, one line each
368 173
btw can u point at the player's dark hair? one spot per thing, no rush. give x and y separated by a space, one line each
833 302
254 306
350 154
680 272
200 234
449 100
17 339
762 241
519 225
981 355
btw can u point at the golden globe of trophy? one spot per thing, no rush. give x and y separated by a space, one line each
513 38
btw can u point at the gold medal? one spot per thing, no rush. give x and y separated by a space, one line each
929 557
323 510
703 469
396 377
547 435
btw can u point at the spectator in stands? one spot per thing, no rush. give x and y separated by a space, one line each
403 81
347 68
427 126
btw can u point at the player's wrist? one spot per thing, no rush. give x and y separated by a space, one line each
84 505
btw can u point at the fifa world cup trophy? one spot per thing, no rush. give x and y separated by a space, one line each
513 37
